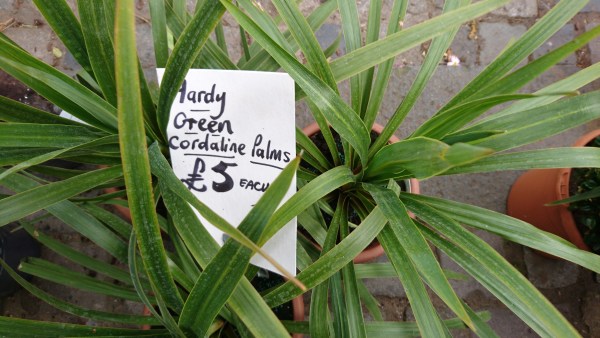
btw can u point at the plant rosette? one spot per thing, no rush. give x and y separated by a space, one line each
532 192
374 250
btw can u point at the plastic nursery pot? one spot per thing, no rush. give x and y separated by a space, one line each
14 246
374 249
535 188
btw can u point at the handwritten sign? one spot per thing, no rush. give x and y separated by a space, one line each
230 135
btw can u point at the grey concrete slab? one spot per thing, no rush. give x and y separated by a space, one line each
594 45
564 35
519 9
465 47
591 312
592 6
496 36
549 273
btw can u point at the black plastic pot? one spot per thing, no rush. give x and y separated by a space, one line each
14 246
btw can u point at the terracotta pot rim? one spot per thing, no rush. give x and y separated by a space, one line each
375 250
562 192
535 188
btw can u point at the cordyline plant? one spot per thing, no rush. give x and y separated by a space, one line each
199 289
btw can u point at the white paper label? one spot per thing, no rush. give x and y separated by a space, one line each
230 135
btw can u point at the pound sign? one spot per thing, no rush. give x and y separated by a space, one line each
196 176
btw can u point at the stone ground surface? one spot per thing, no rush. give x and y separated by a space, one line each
573 290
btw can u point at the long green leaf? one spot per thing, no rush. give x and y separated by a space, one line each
427 318
184 53
455 118
436 50
59 15
313 222
304 36
416 247
391 328
316 60
74 309
220 37
305 197
195 236
75 217
525 299
575 157
136 168
569 84
535 310
587 195
116 223
319 317
22 204
75 256
352 41
343 119
521 49
384 70
62 275
515 80
332 261
539 123
15 111
245 301
392 45
159 32
57 87
182 255
385 270
354 312
38 159
370 302
44 135
12 326
265 22
431 157
510 228
224 272
261 60
97 23
372 35
338 304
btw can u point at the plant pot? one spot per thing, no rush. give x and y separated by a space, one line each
375 249
14 246
534 189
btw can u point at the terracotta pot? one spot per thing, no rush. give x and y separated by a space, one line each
375 249
534 189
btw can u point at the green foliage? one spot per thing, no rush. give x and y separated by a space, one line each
585 204
586 210
348 193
